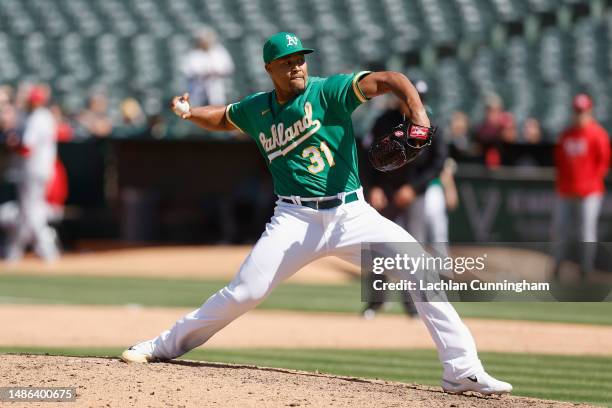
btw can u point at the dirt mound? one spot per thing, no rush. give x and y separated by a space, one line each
110 382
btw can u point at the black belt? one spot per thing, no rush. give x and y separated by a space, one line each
326 204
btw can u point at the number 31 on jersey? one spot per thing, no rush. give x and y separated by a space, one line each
314 153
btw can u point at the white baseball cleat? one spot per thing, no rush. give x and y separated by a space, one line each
140 353
481 382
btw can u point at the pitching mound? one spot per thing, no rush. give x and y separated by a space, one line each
102 381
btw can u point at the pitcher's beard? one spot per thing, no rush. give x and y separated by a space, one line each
297 90
298 86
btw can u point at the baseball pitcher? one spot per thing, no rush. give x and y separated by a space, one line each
304 131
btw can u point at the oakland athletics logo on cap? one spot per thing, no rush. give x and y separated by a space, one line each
283 44
291 40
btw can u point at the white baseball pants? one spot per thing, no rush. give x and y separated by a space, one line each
294 237
32 224
435 214
426 218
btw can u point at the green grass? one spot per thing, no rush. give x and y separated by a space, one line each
300 297
567 378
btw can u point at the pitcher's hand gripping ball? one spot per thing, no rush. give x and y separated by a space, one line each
401 146
181 107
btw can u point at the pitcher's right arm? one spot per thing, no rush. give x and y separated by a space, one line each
210 117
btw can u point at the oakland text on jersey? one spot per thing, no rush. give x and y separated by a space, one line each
293 134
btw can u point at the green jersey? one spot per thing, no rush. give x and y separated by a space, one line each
308 141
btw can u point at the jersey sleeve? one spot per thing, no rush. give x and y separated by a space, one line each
240 113
343 94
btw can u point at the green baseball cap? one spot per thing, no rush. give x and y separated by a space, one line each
282 44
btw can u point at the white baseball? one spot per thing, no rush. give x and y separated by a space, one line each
181 107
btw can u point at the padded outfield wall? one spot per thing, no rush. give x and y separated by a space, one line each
185 191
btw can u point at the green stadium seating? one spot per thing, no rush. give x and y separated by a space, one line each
524 50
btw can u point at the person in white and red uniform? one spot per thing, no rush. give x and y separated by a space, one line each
582 158
38 150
